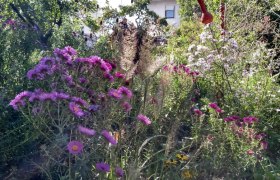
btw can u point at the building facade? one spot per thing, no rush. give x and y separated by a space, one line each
168 9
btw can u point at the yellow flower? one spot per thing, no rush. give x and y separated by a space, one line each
182 157
170 162
186 174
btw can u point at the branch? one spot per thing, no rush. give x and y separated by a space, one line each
15 9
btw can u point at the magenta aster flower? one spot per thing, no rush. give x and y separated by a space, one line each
62 96
232 118
94 107
80 101
102 166
213 105
83 80
198 112
109 66
104 67
49 61
264 145
119 75
109 77
219 110
250 119
19 99
115 93
23 95
86 131
75 147
125 91
75 108
250 152
126 106
216 107
108 137
165 68
119 172
32 74
47 96
95 60
71 51
42 69
144 119
16 103
260 136
34 97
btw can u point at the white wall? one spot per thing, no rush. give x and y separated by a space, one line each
158 6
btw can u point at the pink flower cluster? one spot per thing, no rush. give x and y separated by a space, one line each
46 66
120 93
216 107
197 112
144 119
109 137
239 121
104 167
67 54
37 95
241 129
180 69
105 66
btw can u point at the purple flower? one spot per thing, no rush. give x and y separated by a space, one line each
187 70
19 99
119 75
71 51
69 80
108 137
23 95
104 67
16 103
75 147
250 119
94 107
95 60
109 77
231 118
75 108
86 131
119 172
144 119
126 106
83 80
219 110
198 112
34 97
165 68
62 96
102 167
125 91
264 145
213 105
114 93
216 107
260 136
42 69
48 61
79 101
32 74
47 96
64 54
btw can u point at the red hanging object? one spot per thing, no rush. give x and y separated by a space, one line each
222 15
206 17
